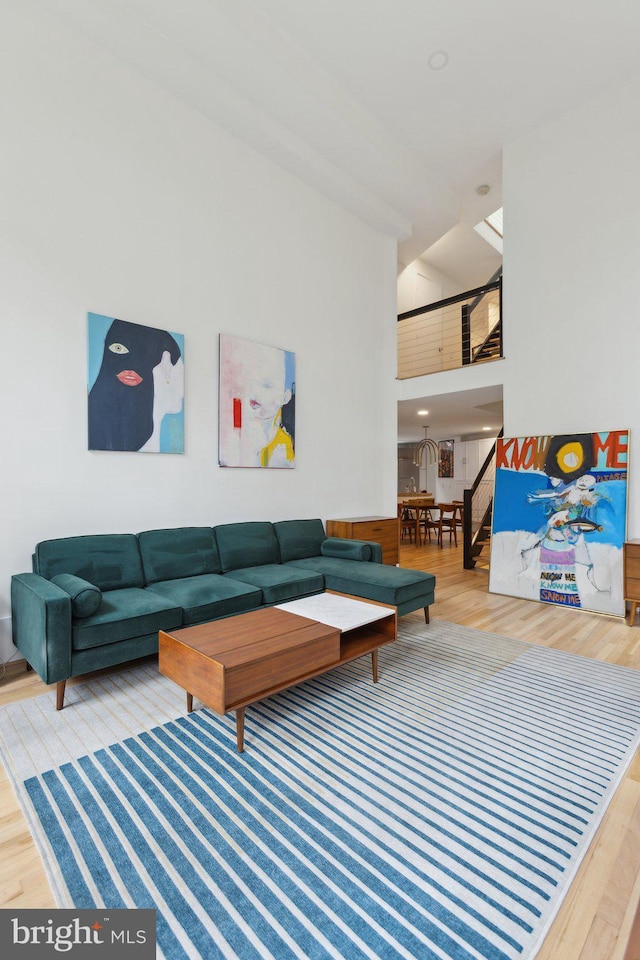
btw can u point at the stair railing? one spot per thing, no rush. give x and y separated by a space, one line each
447 334
492 342
478 506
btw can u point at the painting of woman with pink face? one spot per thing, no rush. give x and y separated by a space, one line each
136 387
257 404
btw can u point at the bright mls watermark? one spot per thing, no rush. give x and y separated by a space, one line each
99 933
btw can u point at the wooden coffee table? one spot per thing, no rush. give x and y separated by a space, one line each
231 663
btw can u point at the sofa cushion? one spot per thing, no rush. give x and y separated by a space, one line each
110 561
280 582
299 538
85 596
208 597
179 552
246 545
123 615
374 581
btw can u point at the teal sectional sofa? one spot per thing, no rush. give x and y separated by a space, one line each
96 601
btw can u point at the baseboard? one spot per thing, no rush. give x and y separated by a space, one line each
7 649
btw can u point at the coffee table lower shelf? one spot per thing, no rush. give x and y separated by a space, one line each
230 664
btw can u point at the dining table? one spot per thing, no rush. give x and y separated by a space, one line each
416 508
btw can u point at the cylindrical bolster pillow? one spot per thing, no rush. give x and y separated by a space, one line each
346 549
85 596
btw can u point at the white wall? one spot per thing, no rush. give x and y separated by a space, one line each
117 199
468 458
571 301
570 295
420 283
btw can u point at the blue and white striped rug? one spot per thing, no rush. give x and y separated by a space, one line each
441 813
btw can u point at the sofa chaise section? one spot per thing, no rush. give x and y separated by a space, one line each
407 590
304 545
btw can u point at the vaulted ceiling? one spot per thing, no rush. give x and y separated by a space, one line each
396 109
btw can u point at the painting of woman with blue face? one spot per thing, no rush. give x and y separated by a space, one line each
136 387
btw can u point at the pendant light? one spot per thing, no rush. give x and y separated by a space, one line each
426 451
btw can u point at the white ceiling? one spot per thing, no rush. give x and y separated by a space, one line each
464 256
342 94
462 414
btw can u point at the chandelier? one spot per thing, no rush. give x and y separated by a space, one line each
426 451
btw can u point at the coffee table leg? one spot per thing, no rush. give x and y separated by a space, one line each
189 702
240 729
374 665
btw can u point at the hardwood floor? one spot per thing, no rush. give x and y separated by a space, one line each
598 918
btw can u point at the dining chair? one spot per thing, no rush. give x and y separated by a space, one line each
431 521
459 505
407 522
448 515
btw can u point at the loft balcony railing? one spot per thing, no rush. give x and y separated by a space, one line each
451 333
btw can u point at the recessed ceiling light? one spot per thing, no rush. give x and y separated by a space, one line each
486 428
422 413
438 60
483 189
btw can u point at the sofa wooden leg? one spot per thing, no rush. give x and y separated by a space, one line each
426 614
60 694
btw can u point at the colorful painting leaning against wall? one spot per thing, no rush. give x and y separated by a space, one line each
257 404
559 519
136 387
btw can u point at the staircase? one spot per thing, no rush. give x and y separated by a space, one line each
481 540
452 333
491 347
478 514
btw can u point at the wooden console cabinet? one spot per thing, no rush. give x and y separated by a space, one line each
382 530
632 577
